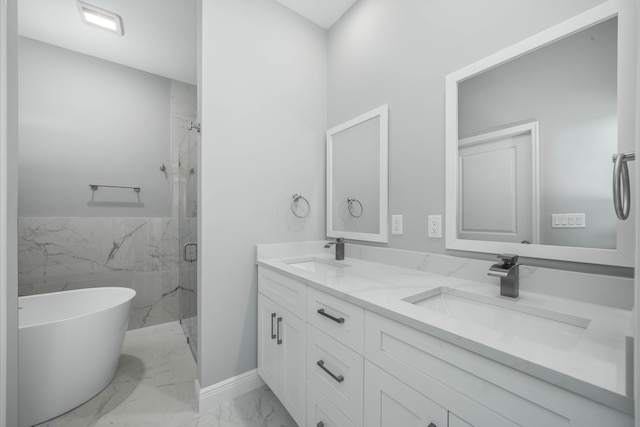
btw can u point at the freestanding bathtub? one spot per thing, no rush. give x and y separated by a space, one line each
69 344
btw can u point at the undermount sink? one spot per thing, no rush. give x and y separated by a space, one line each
318 264
502 319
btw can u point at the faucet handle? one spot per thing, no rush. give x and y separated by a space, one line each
508 259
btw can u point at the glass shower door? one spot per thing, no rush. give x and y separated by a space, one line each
188 216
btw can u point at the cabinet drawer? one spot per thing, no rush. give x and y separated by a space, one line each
337 318
322 413
337 372
284 291
391 403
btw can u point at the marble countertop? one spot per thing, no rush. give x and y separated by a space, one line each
585 354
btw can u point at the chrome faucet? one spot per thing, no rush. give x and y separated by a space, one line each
339 248
509 273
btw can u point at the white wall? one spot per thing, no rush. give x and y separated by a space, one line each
399 53
263 94
636 205
8 214
86 120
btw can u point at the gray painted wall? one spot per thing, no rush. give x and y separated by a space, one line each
399 53
9 202
263 94
86 120
636 301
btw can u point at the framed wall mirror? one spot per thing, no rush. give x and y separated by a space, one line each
530 135
357 177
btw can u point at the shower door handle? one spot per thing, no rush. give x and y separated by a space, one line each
184 250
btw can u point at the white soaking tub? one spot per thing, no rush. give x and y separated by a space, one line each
69 346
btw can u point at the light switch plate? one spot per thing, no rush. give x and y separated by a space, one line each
571 220
396 224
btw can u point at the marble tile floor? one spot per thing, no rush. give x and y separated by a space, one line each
154 386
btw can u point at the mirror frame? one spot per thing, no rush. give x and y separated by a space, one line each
383 146
623 255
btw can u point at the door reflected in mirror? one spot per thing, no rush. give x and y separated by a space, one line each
569 88
531 131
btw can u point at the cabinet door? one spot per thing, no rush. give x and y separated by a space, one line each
455 421
267 343
292 350
390 403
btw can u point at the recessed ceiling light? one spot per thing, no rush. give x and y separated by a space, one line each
100 18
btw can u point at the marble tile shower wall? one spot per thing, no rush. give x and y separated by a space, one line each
73 253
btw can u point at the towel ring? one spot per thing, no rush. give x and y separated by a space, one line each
295 199
621 187
350 202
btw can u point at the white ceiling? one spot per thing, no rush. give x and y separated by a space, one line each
325 13
159 35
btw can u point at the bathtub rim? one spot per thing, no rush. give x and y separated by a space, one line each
122 289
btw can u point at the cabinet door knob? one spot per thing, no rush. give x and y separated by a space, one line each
432 425
338 378
320 424
278 330
273 336
335 319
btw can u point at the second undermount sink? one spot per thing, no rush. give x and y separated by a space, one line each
318 264
503 319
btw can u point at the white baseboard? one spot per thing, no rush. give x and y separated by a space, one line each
213 395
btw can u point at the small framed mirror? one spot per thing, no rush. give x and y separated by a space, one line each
357 177
530 135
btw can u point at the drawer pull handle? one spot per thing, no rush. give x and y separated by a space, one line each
273 336
278 330
320 424
335 319
338 378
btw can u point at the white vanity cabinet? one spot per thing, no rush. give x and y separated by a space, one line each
282 340
334 364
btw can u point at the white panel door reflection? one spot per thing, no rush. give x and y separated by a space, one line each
498 186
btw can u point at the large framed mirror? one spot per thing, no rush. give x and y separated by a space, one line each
357 177
530 135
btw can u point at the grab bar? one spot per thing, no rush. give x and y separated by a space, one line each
94 187
621 185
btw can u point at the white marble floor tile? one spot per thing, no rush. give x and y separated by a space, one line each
154 386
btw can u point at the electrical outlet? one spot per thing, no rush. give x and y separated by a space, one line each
435 226
396 224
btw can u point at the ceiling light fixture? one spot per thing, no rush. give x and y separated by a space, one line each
100 18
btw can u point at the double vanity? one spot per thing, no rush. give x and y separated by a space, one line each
361 343
388 337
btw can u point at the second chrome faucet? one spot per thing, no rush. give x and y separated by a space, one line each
509 273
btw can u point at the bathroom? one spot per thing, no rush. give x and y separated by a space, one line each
270 83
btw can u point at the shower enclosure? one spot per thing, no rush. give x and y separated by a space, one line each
186 136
